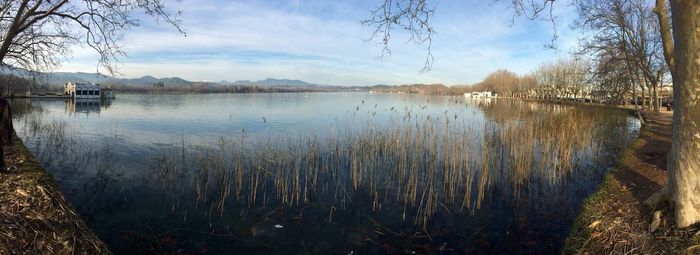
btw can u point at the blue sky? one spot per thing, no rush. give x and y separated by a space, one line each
323 42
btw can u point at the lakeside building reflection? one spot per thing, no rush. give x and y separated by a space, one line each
87 106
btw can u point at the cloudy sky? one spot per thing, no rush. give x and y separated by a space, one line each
323 42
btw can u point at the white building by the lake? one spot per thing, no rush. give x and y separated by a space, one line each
86 91
483 94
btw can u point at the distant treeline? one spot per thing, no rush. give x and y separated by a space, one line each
502 82
11 84
569 78
431 89
623 62
216 88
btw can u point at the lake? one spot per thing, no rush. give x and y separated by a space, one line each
324 173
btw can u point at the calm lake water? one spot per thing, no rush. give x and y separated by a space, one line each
324 173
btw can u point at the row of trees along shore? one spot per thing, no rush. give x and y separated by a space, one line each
575 78
620 61
627 46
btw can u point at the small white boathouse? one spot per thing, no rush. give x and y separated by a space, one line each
86 91
483 94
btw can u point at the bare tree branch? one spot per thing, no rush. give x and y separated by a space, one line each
535 10
414 16
37 33
410 15
665 29
624 29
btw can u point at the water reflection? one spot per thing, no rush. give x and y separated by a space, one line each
367 174
86 105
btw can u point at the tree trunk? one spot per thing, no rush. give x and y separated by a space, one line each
644 98
636 108
684 164
12 31
655 96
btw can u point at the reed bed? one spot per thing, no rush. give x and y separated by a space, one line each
421 160
431 171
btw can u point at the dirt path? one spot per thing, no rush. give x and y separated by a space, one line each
614 220
35 218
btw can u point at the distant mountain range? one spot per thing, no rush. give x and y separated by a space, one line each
271 82
60 78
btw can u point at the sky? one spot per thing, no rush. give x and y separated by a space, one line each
323 42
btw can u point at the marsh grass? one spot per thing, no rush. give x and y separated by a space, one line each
422 161
413 173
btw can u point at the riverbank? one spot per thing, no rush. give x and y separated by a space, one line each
35 218
614 219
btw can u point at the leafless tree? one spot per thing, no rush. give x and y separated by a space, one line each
37 33
629 27
614 75
566 78
503 82
414 16
679 34
410 15
682 50
526 84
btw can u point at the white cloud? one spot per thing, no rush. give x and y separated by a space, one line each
320 42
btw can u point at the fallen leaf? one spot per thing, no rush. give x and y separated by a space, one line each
655 222
22 192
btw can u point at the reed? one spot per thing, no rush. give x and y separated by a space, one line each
413 173
422 160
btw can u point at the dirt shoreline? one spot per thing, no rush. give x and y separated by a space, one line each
614 219
35 217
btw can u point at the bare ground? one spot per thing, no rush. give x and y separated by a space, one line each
35 218
614 220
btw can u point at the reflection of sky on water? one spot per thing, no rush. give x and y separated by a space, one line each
107 166
135 127
146 119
